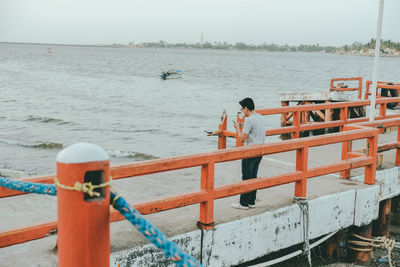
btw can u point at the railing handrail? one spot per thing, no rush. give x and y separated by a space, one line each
300 108
359 88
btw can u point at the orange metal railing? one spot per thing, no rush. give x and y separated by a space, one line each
341 89
208 192
380 85
297 111
347 152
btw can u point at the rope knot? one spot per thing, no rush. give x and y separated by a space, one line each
87 188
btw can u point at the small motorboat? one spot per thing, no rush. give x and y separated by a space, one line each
171 74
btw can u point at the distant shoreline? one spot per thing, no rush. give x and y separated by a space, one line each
292 49
50 44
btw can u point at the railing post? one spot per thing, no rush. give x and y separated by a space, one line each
346 148
382 110
207 207
359 87
398 148
343 116
222 127
83 220
284 114
238 143
296 124
300 189
370 170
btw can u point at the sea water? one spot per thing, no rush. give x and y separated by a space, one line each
114 97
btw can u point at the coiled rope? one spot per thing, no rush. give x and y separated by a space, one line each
376 242
155 236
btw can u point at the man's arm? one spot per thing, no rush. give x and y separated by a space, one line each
239 128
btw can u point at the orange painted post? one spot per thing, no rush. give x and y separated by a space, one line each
238 143
296 124
366 91
346 148
382 113
284 114
398 148
222 127
370 170
300 189
344 111
382 109
83 220
207 207
359 87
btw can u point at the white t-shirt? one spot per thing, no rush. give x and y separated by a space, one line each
254 128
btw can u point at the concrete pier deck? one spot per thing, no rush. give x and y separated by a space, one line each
239 235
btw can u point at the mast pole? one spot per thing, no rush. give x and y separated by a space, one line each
376 62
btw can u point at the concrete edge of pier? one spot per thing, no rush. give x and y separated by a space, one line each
248 238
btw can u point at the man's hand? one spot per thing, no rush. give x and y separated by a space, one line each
238 124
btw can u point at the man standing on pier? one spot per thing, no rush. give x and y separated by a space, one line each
252 132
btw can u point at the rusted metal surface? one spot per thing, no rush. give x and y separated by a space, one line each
331 247
388 146
361 257
381 227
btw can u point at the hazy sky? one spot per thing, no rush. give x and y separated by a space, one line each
327 22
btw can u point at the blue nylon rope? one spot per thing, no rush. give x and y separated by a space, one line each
155 236
28 187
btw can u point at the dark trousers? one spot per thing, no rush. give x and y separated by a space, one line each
249 171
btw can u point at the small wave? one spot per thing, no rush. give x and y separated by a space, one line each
42 145
130 154
135 131
48 145
46 120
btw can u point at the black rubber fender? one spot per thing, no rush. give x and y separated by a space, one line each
390 93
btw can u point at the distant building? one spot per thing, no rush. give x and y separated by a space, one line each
201 38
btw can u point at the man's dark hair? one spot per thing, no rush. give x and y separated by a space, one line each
247 103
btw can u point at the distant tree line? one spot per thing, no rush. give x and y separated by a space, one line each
387 47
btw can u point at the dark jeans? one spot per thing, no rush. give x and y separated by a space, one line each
249 171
